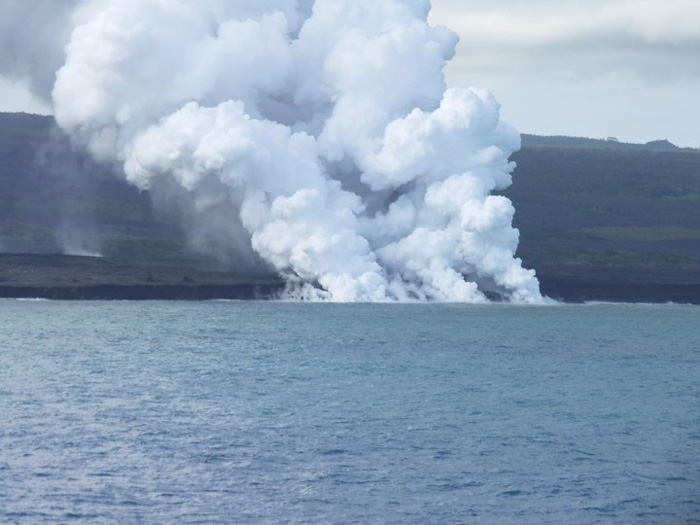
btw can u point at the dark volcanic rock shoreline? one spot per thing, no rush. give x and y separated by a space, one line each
135 292
578 284
62 277
93 278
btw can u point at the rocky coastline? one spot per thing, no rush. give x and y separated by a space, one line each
60 277
579 284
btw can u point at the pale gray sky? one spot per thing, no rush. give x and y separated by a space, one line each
598 68
14 96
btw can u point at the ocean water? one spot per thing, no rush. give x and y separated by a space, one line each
263 412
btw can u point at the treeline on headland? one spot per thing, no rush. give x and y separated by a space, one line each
599 219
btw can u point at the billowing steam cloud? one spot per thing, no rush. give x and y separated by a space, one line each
324 128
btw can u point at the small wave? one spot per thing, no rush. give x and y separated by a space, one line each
512 493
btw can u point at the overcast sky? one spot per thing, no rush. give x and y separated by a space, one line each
598 68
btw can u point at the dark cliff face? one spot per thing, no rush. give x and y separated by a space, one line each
62 277
598 220
589 284
602 221
54 198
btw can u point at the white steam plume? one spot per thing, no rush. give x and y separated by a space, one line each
326 124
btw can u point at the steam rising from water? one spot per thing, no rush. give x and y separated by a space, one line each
322 128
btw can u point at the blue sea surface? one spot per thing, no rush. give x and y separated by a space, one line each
273 412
